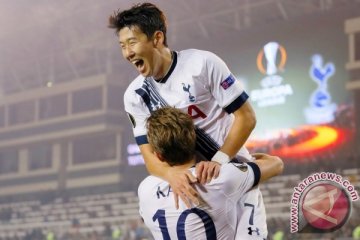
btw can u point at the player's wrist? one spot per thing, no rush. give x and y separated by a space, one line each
221 157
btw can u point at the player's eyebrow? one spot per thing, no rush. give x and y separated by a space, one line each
127 40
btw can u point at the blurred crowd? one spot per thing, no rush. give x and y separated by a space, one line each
128 230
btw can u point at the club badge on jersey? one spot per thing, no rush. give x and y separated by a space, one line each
187 89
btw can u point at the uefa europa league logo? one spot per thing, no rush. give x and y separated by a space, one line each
270 52
321 109
271 61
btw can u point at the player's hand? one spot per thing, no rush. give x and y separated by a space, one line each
180 182
207 170
259 155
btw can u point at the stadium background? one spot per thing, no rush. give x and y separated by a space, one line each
68 162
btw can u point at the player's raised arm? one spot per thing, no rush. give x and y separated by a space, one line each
244 123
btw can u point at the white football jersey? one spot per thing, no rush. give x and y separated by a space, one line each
215 219
200 84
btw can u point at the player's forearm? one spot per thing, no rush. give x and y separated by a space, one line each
240 130
237 136
270 166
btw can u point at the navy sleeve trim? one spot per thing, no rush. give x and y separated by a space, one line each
237 103
257 173
141 140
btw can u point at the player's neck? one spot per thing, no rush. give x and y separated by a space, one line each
187 165
166 59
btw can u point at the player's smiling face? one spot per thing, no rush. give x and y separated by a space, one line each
140 51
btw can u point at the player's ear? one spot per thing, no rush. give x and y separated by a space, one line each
158 38
158 155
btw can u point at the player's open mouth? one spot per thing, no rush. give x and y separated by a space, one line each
138 64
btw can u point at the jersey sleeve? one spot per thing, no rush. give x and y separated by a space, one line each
144 196
141 197
137 113
224 87
241 178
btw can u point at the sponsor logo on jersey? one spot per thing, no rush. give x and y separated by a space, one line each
253 231
132 119
228 82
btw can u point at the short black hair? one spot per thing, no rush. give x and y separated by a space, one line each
146 16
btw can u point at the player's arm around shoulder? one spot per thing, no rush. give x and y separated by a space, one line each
236 179
269 166
241 177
